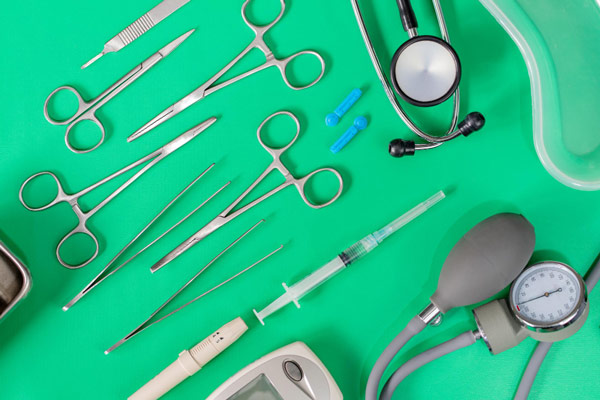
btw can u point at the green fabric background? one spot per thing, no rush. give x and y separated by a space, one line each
51 354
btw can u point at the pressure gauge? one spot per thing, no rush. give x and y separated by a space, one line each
548 296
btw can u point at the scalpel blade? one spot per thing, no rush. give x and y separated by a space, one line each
139 27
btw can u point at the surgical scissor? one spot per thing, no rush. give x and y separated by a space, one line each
210 86
86 110
73 199
230 213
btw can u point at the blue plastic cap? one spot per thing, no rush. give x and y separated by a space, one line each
332 119
361 122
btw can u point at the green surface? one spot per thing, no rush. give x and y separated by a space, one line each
47 353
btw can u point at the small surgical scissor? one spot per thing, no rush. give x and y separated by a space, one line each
73 199
229 213
210 86
86 110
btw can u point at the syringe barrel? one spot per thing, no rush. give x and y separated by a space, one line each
359 249
300 289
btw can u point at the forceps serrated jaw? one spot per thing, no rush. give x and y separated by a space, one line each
159 119
189 243
165 51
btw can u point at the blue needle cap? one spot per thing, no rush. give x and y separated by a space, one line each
334 118
360 123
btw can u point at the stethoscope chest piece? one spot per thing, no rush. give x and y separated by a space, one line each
425 71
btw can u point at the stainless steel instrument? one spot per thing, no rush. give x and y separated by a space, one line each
139 27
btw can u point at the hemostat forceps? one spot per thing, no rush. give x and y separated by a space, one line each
229 214
86 110
73 199
210 86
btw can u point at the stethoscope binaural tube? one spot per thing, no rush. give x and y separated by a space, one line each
446 70
473 121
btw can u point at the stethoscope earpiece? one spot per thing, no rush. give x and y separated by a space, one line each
400 148
473 122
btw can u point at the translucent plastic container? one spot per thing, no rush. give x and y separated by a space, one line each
560 43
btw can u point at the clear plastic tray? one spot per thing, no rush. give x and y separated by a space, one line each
559 41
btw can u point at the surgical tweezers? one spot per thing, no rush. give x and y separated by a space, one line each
148 322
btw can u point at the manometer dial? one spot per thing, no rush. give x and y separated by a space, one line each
548 295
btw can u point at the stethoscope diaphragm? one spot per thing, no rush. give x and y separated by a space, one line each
425 71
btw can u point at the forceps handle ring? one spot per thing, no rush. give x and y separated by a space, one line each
87 116
283 67
80 229
301 184
84 113
82 104
60 193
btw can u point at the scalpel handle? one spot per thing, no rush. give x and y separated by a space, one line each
143 24
139 27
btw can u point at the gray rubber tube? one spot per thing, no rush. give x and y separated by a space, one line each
542 348
461 341
415 326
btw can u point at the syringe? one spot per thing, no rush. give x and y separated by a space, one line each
347 257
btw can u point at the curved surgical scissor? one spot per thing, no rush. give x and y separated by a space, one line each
86 110
229 213
210 86
73 199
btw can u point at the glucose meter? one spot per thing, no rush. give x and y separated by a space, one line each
291 373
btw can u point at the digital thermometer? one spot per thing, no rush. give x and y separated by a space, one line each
291 373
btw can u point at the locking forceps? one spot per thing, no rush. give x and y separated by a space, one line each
86 110
73 199
230 213
210 86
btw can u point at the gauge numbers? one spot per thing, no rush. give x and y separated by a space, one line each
546 294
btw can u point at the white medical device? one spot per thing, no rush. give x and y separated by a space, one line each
291 373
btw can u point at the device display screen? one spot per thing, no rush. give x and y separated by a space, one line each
260 388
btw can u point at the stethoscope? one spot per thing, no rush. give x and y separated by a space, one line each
425 72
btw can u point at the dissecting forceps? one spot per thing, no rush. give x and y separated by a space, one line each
148 322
